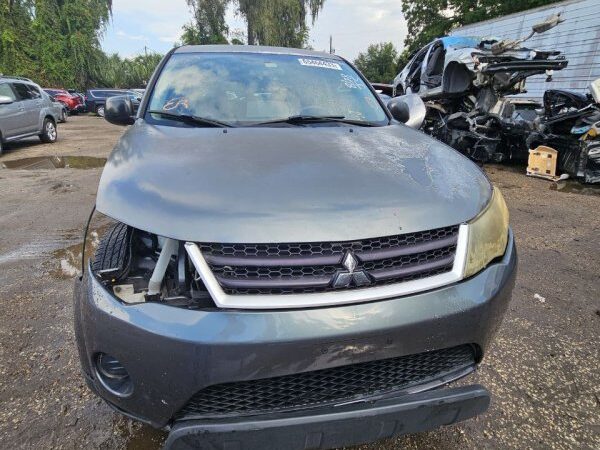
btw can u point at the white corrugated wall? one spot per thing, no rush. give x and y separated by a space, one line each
578 38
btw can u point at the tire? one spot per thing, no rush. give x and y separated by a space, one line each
49 133
100 110
63 116
114 251
1 146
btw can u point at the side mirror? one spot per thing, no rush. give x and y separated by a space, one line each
408 109
5 100
549 23
118 110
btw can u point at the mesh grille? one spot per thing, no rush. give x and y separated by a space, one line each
314 267
327 248
409 260
326 386
274 272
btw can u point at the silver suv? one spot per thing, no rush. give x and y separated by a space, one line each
25 110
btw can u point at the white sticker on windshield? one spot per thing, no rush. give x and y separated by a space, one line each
320 63
352 82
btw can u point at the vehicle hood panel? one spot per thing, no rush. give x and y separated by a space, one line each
292 184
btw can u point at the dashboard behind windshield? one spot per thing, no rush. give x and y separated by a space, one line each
247 88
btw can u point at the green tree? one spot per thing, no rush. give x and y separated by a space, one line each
127 73
379 63
278 22
54 42
208 24
16 41
429 19
269 22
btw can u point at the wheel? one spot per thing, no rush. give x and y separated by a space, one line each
100 110
114 251
49 133
1 145
63 115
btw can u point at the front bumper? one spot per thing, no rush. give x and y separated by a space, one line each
77 108
335 427
172 353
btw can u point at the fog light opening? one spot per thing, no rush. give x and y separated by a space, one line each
112 375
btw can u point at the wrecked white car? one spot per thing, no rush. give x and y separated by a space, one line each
463 80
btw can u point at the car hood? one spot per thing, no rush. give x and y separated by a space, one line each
291 184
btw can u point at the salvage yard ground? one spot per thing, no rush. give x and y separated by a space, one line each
543 368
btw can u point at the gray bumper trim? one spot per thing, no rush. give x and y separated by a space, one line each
334 427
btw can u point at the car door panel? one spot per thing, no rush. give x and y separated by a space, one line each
433 67
31 110
38 105
11 115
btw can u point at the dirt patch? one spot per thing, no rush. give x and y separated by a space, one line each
55 162
575 187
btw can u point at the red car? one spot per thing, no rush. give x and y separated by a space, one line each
74 103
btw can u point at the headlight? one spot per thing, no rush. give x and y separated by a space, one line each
488 235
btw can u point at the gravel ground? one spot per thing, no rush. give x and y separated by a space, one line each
543 369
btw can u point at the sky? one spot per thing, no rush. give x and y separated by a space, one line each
156 25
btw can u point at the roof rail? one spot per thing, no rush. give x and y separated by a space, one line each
15 78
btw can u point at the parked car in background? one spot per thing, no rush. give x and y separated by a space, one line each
77 93
74 103
95 99
25 111
60 110
140 92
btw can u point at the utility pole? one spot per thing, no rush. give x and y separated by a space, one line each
330 44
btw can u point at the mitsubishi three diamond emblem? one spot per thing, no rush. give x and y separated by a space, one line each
351 277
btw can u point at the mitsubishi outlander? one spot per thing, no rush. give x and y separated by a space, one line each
292 265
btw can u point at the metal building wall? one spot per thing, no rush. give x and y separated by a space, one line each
578 38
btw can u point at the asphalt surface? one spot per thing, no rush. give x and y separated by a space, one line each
543 369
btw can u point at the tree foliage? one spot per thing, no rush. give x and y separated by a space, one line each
269 22
379 63
55 42
208 24
279 22
129 72
429 19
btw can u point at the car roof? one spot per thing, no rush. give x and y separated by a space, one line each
461 41
254 49
8 79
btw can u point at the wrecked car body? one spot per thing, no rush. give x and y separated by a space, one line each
280 260
464 81
571 125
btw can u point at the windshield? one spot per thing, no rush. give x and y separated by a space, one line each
248 88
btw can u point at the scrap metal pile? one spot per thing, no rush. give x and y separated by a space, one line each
467 84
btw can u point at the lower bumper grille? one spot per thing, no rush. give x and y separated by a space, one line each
326 386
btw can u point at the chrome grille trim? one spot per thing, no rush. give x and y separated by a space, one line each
311 300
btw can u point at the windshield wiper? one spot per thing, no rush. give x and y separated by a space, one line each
300 119
192 120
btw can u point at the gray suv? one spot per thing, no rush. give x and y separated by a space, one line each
292 265
25 110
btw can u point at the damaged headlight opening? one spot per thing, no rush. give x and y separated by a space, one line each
138 266
488 235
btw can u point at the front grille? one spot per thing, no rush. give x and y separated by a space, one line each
337 385
290 268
